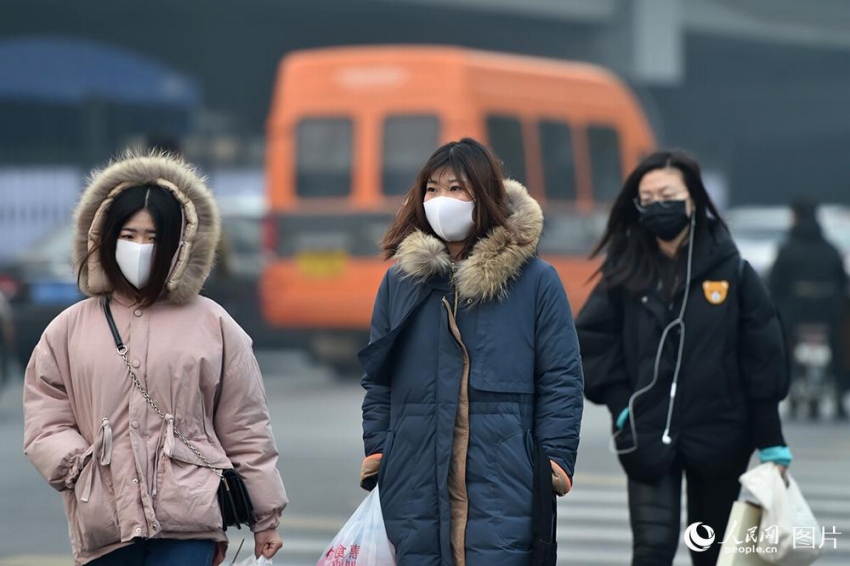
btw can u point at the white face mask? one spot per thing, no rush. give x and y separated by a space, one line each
135 261
450 218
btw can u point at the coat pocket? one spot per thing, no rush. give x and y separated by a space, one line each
91 509
494 380
186 489
512 487
385 457
394 481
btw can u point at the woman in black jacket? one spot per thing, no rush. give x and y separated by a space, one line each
680 340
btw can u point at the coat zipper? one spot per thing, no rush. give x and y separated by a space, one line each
460 495
454 290
457 471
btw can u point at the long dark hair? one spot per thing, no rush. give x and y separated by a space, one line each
480 173
631 251
168 221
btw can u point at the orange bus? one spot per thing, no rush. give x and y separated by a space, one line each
349 128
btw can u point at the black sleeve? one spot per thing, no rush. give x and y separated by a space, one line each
762 359
779 277
840 273
600 332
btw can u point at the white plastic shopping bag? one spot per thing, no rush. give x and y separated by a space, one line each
251 561
362 541
789 534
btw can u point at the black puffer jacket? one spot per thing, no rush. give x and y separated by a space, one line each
733 373
808 281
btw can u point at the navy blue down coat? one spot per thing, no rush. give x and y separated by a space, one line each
455 402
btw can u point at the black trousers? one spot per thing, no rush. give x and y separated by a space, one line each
655 510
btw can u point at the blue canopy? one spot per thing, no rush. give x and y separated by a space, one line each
70 71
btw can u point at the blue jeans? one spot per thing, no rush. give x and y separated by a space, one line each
160 552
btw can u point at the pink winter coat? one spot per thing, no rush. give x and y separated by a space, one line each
122 471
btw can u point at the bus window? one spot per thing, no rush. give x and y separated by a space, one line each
407 141
505 136
605 162
559 171
571 233
323 160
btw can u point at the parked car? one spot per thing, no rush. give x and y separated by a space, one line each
759 231
40 282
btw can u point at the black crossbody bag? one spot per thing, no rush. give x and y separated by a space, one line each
233 498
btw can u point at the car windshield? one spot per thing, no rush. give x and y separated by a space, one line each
243 232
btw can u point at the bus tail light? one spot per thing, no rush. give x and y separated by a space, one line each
270 236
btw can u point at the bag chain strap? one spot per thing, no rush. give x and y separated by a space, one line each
122 351
121 348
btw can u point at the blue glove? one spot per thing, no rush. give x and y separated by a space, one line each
621 418
778 454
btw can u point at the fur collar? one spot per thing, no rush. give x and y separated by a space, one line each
202 225
495 260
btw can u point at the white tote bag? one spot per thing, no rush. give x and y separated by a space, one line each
362 540
789 534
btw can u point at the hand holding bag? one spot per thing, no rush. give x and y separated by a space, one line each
771 524
798 535
233 498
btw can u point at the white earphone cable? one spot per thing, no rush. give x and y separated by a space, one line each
679 321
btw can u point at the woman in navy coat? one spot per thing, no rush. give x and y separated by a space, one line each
473 363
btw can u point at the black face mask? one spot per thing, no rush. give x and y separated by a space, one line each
665 219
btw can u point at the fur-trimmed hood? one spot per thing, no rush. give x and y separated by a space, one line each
495 260
202 224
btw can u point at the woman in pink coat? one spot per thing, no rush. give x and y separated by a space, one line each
134 493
